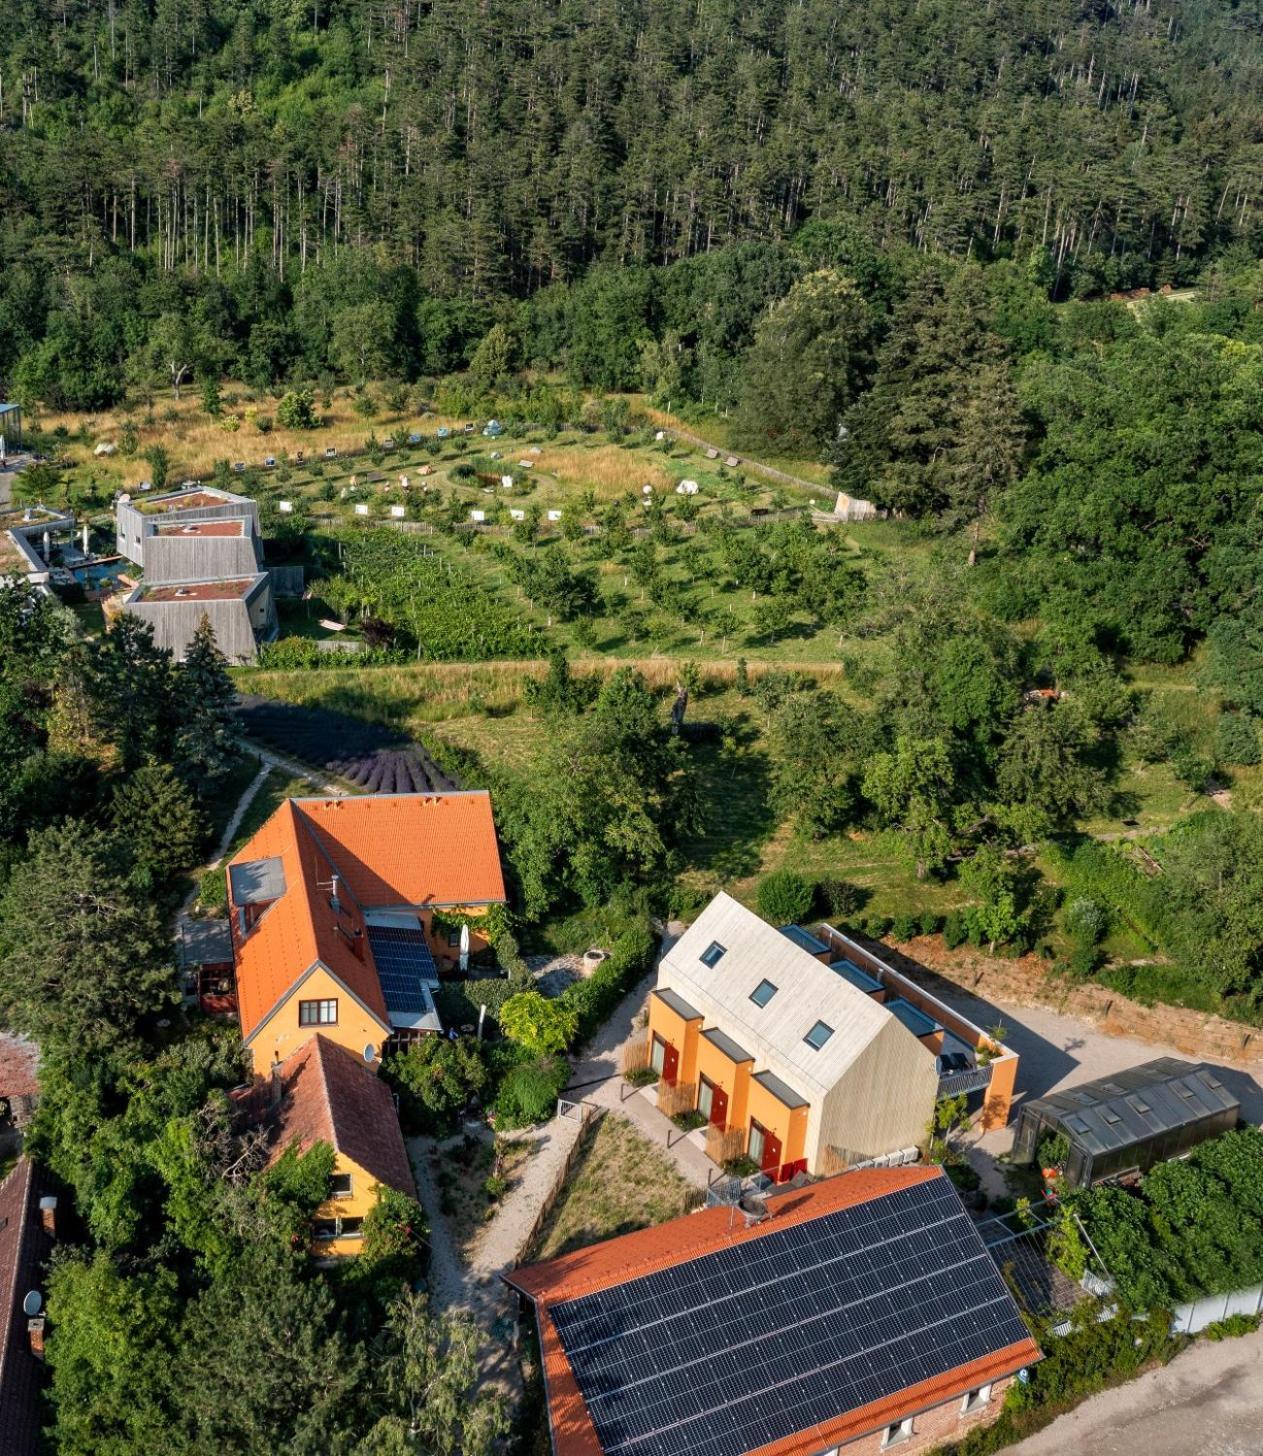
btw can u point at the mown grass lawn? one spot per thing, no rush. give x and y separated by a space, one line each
619 1183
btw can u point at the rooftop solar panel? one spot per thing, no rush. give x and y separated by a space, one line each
404 965
763 1339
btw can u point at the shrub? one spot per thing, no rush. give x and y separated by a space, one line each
630 957
784 897
1084 961
530 1090
1236 739
903 927
538 1025
1085 920
1053 1150
297 410
929 923
1230 1328
877 927
839 899
435 1079
955 930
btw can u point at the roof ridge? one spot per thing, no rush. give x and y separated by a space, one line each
301 817
639 1267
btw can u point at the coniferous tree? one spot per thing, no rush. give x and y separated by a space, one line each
205 744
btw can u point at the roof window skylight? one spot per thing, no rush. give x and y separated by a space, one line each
818 1035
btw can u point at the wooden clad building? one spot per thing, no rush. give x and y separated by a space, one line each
808 1070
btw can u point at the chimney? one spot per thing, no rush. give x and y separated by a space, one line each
35 1333
48 1215
335 886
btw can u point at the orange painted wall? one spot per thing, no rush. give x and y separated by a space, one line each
676 1032
733 1077
788 1124
276 1038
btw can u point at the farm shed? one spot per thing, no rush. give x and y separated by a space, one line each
241 613
1130 1120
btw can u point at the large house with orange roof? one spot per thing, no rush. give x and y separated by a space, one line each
344 911
857 1314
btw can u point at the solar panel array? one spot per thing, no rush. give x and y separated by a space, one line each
765 1338
404 964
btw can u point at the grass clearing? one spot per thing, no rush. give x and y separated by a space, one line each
619 1183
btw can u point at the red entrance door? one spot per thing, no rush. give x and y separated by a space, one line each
670 1064
717 1112
765 1148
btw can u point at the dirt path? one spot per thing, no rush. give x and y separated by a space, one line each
295 769
1206 1402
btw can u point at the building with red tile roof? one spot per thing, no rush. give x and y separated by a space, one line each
19 1076
856 1313
333 905
327 1095
25 1242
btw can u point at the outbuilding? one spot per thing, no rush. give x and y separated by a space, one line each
1128 1121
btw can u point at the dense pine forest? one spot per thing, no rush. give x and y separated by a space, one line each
276 164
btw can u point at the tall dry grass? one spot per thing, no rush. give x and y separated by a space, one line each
195 441
607 470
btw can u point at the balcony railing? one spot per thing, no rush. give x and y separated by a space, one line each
973 1080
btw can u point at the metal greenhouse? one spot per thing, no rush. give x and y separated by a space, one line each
1129 1121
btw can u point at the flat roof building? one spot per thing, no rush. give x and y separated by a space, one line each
240 610
1128 1121
855 1314
26 538
138 519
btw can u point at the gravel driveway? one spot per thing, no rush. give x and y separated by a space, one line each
1206 1402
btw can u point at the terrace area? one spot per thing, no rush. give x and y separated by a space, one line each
195 591
232 527
970 1059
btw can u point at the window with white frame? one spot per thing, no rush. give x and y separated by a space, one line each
901 1431
975 1400
340 1185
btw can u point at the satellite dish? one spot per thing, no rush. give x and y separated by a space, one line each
370 1053
33 1303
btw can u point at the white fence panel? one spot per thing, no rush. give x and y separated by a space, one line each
1192 1318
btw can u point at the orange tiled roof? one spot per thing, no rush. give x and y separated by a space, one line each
389 850
411 849
300 928
328 1096
620 1260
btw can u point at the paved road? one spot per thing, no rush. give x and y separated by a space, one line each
1206 1402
